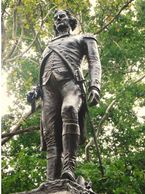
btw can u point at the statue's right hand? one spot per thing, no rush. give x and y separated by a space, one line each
34 94
30 96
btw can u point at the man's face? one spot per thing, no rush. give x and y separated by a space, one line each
61 20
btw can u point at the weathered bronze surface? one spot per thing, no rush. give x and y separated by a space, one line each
64 186
63 100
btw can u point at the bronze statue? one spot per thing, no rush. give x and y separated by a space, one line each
63 100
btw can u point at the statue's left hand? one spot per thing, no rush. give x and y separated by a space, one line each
94 96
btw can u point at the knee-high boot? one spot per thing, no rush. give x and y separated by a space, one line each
70 140
54 164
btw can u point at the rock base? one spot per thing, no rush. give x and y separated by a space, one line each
59 187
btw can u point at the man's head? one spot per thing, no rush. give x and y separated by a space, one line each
64 20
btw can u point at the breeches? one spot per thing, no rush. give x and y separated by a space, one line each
61 104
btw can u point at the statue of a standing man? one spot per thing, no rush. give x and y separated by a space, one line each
62 101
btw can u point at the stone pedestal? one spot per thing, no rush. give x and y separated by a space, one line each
59 187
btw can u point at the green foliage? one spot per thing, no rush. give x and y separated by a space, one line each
26 28
24 166
122 175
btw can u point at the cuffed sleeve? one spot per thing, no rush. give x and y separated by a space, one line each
92 54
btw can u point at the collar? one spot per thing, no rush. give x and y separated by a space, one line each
61 36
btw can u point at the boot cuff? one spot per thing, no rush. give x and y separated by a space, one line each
71 128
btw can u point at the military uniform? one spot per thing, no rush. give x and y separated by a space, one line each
62 106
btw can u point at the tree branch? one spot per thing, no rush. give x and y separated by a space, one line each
38 43
3 33
11 134
115 17
15 46
20 55
48 13
18 125
35 39
14 31
34 61
4 7
91 142
140 79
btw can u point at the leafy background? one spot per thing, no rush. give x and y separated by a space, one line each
119 26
